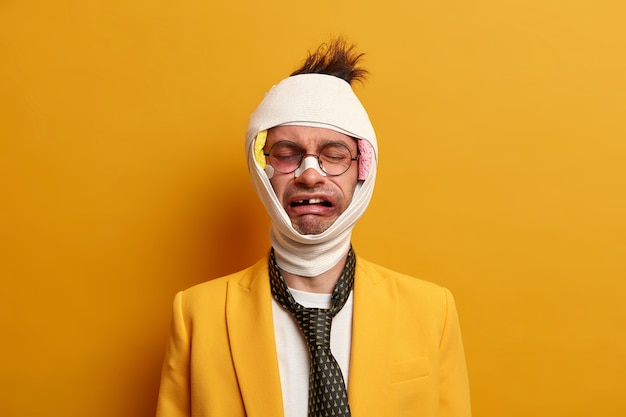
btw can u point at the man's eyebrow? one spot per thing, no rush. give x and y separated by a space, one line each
346 143
326 141
321 142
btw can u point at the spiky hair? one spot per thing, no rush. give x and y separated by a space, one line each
337 58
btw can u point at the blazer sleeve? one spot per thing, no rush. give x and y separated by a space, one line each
175 394
454 385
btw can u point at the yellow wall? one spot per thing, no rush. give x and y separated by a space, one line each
502 131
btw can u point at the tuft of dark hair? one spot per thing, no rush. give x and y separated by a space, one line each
337 58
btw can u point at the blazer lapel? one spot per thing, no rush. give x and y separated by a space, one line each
372 324
251 332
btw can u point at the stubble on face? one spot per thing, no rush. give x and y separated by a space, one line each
299 195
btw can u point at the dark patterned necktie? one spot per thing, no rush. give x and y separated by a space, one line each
327 389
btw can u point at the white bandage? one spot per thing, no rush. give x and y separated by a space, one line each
309 162
315 100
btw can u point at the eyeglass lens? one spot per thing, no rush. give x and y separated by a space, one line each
334 158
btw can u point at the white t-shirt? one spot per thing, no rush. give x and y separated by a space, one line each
293 354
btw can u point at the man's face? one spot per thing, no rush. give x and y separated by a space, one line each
313 201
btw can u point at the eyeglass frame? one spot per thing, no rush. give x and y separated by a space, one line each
303 155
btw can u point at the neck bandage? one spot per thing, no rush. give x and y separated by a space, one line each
314 100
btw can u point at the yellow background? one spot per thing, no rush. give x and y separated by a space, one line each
502 138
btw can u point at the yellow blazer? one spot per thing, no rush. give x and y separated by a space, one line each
407 355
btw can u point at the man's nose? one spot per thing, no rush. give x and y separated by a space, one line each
312 162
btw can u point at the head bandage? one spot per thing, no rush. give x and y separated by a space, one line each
314 100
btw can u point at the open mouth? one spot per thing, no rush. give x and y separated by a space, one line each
310 202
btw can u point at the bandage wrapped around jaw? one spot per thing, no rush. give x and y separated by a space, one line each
314 100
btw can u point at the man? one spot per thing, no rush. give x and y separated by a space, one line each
311 329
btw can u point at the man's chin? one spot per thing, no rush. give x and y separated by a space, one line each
311 228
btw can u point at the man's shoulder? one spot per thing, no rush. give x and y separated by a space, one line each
217 287
413 295
378 273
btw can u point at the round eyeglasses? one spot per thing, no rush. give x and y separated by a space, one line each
334 158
